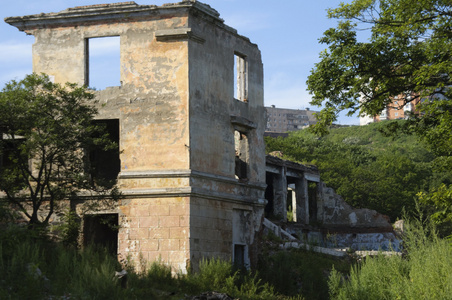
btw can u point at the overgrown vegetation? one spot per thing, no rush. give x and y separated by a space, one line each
299 271
366 167
423 272
33 267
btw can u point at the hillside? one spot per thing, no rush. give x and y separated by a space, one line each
366 167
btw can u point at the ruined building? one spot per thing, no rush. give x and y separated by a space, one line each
189 118
192 161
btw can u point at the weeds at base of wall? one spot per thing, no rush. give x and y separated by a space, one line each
34 267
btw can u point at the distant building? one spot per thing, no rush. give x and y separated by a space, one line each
284 119
397 110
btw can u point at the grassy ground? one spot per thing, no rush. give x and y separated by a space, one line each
33 267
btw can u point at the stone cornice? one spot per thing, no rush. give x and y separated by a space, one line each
178 34
115 12
191 192
187 173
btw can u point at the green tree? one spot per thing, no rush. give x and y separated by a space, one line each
46 129
437 204
408 54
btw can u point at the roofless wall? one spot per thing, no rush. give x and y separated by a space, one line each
188 112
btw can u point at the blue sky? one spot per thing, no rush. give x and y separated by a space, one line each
286 32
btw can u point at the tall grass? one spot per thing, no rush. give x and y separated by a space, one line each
33 267
299 272
422 273
221 276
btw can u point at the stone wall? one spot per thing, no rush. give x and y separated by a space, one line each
336 213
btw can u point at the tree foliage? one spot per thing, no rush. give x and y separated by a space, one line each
46 129
408 54
437 204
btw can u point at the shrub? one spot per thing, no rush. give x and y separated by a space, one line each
219 275
305 272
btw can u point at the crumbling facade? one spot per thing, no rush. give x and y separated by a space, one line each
189 119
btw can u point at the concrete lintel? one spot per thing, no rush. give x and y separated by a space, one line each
294 167
191 192
273 169
312 177
294 173
178 34
243 122
154 174
154 193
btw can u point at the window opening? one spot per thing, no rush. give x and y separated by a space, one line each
291 201
241 155
239 256
289 205
240 77
102 62
8 148
312 196
10 156
105 164
269 194
101 230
